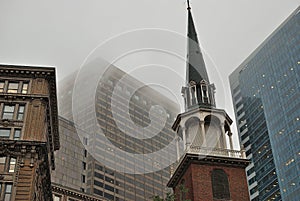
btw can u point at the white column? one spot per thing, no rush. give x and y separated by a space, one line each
223 135
243 152
230 140
184 138
203 134
188 139
177 148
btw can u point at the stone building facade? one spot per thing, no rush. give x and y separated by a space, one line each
28 132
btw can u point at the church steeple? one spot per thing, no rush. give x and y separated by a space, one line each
202 129
196 70
198 92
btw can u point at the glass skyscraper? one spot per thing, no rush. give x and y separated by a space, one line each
91 170
266 96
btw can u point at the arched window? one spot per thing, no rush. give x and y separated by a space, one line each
220 185
193 95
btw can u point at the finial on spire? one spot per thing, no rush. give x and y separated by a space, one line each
188 3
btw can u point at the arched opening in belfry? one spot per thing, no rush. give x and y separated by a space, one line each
179 132
213 131
180 135
192 126
226 126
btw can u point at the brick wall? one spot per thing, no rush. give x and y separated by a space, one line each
197 179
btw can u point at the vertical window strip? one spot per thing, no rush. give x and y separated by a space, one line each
24 88
7 193
12 165
17 134
20 114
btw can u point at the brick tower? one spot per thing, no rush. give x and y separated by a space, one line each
28 132
208 170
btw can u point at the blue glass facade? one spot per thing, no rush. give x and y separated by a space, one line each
266 96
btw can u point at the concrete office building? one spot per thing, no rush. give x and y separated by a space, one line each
266 96
71 159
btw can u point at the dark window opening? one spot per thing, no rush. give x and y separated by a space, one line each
220 185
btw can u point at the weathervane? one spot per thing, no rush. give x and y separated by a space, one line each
188 3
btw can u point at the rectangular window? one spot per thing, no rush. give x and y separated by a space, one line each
8 112
17 134
20 114
2 164
4 132
83 165
13 112
24 88
7 193
12 165
83 178
1 86
12 87
56 198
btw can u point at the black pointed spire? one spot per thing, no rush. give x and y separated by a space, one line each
198 92
196 70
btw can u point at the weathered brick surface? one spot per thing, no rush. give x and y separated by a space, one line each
198 180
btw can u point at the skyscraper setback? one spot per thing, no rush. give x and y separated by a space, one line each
266 96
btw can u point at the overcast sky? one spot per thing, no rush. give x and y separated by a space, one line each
63 33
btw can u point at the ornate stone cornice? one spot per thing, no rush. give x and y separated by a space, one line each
19 97
74 193
26 71
22 148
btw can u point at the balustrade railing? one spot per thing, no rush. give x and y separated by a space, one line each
217 152
208 151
